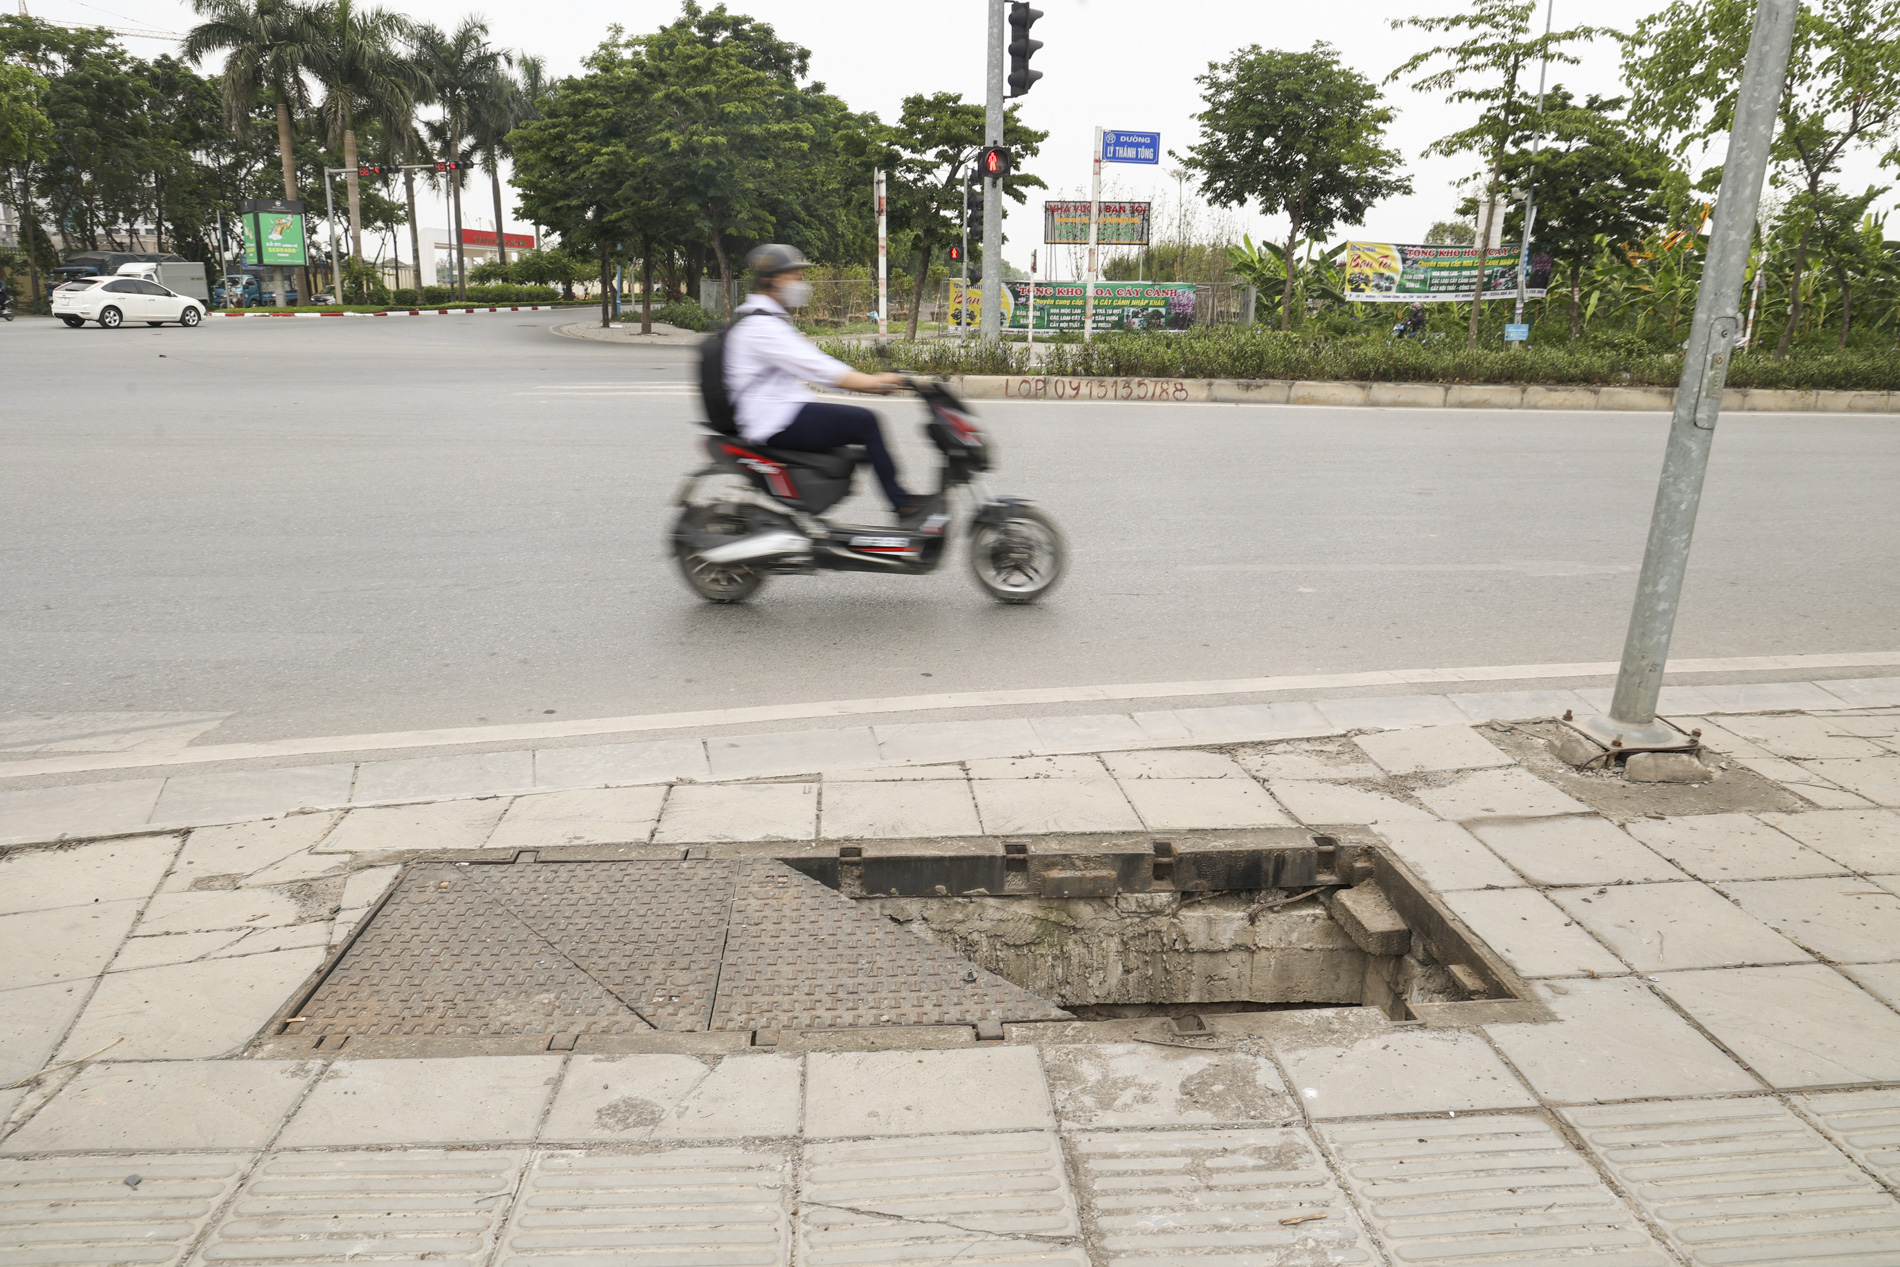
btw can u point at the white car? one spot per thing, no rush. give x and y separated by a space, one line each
113 301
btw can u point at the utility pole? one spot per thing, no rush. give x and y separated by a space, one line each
1095 220
991 323
883 260
329 213
1530 185
1631 723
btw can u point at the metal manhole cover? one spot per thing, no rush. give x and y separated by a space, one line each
625 947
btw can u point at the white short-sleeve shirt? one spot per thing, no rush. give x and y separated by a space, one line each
768 363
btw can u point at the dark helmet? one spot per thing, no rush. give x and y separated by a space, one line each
774 258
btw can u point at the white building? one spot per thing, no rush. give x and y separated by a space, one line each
438 246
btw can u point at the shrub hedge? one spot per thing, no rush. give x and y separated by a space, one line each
500 293
1256 354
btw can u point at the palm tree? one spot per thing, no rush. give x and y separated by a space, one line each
400 141
463 69
508 104
269 44
359 63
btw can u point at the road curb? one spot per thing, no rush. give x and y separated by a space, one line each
456 311
1243 391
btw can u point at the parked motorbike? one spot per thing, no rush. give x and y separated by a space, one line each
754 511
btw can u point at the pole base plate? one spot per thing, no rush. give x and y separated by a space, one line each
1586 741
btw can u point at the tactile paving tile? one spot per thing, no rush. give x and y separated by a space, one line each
82 1210
1486 1189
417 1205
1250 1196
714 1206
1744 1181
978 1199
803 956
1865 1123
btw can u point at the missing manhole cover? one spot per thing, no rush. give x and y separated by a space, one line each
629 947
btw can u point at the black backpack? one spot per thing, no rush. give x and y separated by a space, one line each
720 414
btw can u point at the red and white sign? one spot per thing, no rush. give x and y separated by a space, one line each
486 237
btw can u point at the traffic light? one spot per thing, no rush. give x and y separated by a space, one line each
992 161
447 165
973 205
956 252
1022 48
371 169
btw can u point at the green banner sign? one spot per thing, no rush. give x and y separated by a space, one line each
274 234
1120 224
1395 272
1060 305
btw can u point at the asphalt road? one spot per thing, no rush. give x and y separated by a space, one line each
359 525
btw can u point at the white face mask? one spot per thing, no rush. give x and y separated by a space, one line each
794 294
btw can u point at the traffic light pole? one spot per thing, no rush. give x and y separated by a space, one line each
329 213
1631 723
991 322
1095 219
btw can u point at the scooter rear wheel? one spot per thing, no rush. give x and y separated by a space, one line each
1020 558
714 582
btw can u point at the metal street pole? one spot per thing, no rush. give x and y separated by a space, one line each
883 258
1095 219
1631 722
963 296
329 213
992 319
1530 184
1032 300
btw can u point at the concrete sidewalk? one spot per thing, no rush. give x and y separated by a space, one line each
1720 1084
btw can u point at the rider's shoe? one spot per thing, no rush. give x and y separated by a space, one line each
913 513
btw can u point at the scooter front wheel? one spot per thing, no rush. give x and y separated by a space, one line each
1019 557
714 582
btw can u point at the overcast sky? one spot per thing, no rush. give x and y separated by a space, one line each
1111 63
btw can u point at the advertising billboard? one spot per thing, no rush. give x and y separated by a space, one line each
1393 273
1121 224
274 233
1060 305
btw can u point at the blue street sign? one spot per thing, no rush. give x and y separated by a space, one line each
1131 147
1514 333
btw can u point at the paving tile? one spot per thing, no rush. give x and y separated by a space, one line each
1864 840
411 1206
675 1097
1801 736
1882 980
65 944
85 809
1662 927
977 1199
1431 749
1800 1026
1720 739
153 952
1186 804
262 940
1172 763
791 752
579 816
188 1011
218 908
710 1206
1729 847
79 875
1762 697
1483 706
1403 1071
1533 934
898 774
1847 919
924 743
1876 778
1498 794
1804 783
891 810
80 1209
1866 1124
1243 723
460 774
1141 1084
465 1100
924 1092
1093 732
305 864
1071 766
1866 692
1575 850
607 765
738 811
1870 723
1330 803
1742 1181
1446 856
1183 1197
242 849
1498 1189
141 1107
441 825
223 798
31 1022
1615 1040
1029 806
1390 712
1674 701
1347 764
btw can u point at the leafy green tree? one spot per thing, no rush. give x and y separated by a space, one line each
358 58
1451 233
1484 69
1300 135
1842 92
1840 232
26 138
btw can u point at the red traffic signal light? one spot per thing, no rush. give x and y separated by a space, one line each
956 253
447 165
371 169
993 161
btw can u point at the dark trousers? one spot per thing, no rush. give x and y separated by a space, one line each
822 426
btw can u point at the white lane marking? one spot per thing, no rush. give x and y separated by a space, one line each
529 732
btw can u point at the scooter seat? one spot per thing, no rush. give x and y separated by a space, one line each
837 463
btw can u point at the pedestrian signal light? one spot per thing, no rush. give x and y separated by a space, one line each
993 161
956 254
1022 48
